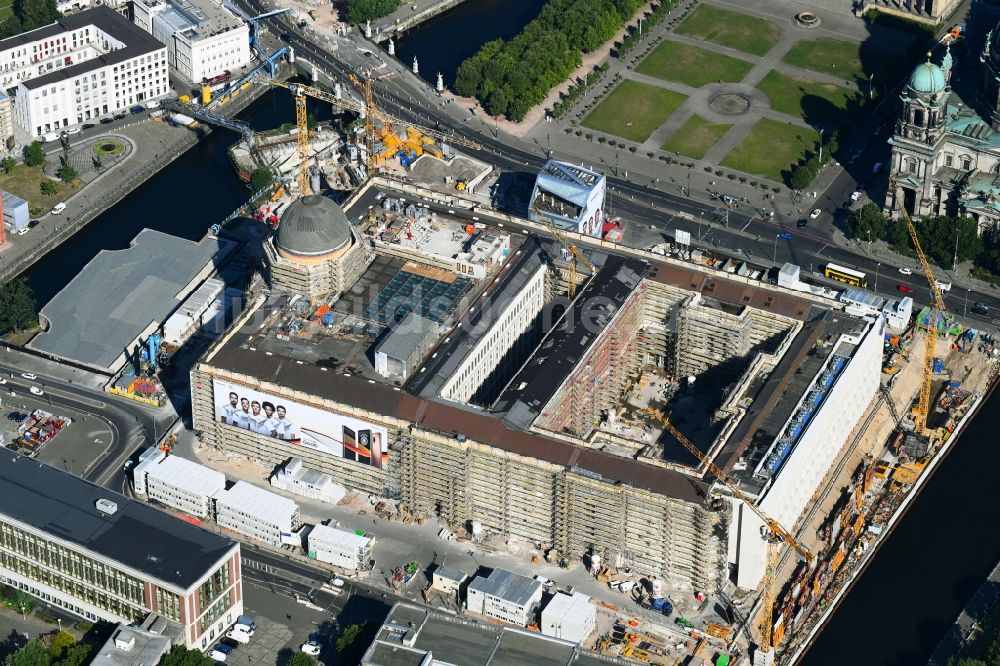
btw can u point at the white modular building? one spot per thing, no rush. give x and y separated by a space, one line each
203 38
193 313
826 387
294 477
79 68
569 196
569 617
506 596
341 548
257 514
147 459
183 485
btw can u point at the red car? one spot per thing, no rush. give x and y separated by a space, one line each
903 288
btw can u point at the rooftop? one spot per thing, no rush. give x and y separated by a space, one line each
333 536
199 18
312 226
507 585
263 505
144 645
122 294
449 573
136 40
596 305
410 632
138 536
406 336
187 475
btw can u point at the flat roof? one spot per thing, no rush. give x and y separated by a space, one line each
144 648
137 535
201 17
137 42
406 336
120 293
334 536
257 503
522 264
507 585
566 345
187 475
410 632
450 573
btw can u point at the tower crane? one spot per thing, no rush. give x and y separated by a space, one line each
776 535
574 253
252 22
372 112
922 410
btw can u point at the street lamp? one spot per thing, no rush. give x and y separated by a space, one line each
965 307
877 265
774 259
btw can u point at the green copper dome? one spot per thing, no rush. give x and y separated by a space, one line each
927 78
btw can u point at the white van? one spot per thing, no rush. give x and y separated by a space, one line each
943 286
49 137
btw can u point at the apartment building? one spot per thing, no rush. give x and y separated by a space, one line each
102 556
80 68
203 38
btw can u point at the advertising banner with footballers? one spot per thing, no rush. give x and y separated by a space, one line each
334 434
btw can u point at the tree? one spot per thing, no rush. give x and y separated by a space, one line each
34 155
801 177
359 11
349 635
35 13
75 655
66 173
17 312
181 656
867 223
49 188
260 179
60 642
32 654
301 659
8 164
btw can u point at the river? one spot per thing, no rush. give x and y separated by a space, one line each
928 568
443 42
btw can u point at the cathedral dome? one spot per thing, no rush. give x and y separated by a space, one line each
927 79
313 226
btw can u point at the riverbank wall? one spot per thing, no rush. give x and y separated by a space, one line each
413 21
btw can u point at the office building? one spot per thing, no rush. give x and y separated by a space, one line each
569 196
505 596
448 580
82 67
347 549
97 554
203 38
139 644
571 617
181 484
257 514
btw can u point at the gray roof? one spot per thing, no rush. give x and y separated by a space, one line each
138 536
406 336
137 42
409 633
119 294
507 585
313 225
144 648
449 573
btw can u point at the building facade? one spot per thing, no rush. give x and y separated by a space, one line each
101 556
257 514
569 617
81 68
505 596
203 38
183 485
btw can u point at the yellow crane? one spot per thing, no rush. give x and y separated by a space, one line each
372 113
922 410
775 532
575 254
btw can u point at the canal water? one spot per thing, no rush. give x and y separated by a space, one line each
443 42
197 190
929 567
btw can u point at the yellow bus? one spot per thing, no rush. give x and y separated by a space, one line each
846 275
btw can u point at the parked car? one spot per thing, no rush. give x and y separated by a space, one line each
22 231
33 223
311 648
231 643
904 289
29 375
58 208
224 649
784 235
137 109
801 224
217 655
246 621
905 271
105 121
816 213
73 130
242 637
87 126
49 137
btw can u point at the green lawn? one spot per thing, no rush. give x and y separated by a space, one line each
6 11
733 29
813 101
634 110
25 182
695 137
673 61
845 60
770 148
